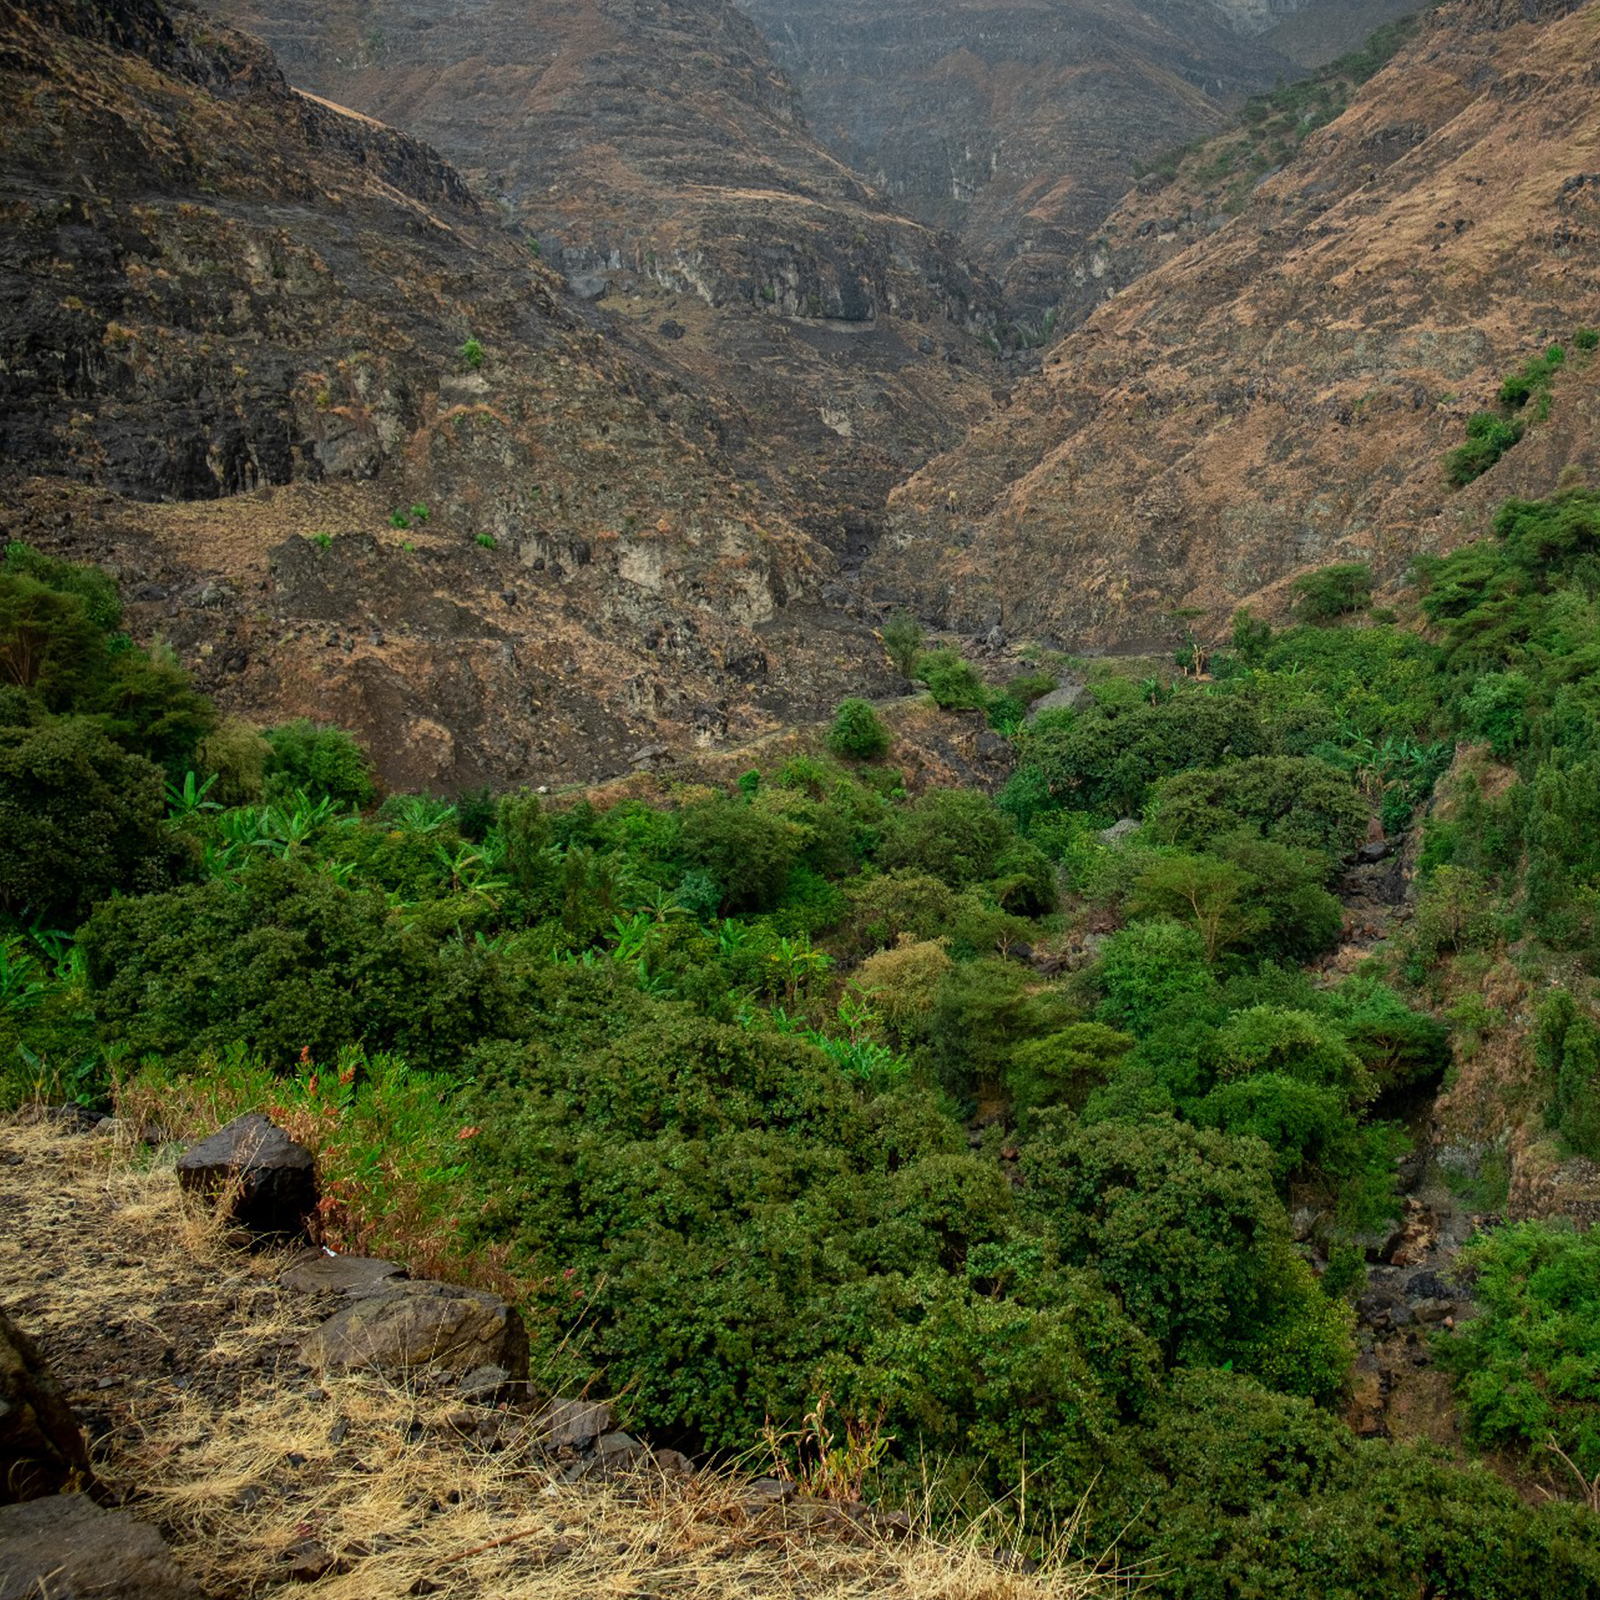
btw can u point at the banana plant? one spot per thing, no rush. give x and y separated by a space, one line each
189 798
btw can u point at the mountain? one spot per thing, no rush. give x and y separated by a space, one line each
1016 123
1282 391
356 453
659 157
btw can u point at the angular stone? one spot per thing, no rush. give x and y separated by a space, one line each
418 1324
68 1548
42 1449
267 1180
573 1424
316 1273
487 1384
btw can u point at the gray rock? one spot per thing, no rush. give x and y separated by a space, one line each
417 1324
1433 1310
316 1273
588 285
487 1384
573 1424
42 1449
1068 695
618 1450
1119 830
68 1548
1374 850
267 1181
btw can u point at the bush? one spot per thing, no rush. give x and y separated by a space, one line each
1567 1048
281 960
749 852
1184 1226
902 640
324 763
1107 761
1527 1366
1146 968
1488 438
857 732
1297 801
1251 638
1333 592
471 354
956 835
952 681
80 819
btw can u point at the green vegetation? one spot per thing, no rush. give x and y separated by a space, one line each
977 1120
486 540
471 353
1333 592
1273 125
858 732
902 639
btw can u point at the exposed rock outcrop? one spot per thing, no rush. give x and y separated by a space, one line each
1282 393
266 1180
42 1448
68 1548
222 292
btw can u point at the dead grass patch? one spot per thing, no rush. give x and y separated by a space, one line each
179 1353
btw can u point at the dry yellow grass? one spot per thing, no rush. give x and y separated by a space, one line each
178 1350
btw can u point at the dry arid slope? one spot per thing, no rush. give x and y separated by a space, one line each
1280 394
659 157
232 347
1016 123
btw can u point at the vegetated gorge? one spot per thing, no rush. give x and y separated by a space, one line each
945 816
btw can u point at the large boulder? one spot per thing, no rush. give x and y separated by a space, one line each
42 1449
421 1324
267 1181
68 1548
318 1273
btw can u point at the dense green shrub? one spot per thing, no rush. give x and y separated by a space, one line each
1333 592
283 960
325 763
1528 1364
858 732
1108 762
1184 1226
1488 438
1292 800
80 820
952 681
1567 1047
902 640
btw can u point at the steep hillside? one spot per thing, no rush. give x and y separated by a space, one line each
659 156
425 495
1017 122
1282 392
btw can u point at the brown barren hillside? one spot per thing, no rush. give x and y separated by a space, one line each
1281 394
1018 123
353 450
659 158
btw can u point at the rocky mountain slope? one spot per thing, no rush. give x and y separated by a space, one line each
660 159
1280 394
423 494
1017 124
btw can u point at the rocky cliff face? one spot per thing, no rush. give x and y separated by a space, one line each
354 450
657 156
1017 123
1281 393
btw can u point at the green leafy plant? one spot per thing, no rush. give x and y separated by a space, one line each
471 353
858 732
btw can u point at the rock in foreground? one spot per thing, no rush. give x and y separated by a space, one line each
267 1181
